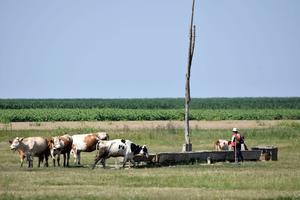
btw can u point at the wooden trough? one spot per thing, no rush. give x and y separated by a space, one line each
203 156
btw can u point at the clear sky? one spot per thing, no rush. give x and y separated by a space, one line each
137 49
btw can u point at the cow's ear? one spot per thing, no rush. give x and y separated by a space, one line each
145 148
10 142
21 139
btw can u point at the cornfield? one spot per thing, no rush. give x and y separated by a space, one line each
22 115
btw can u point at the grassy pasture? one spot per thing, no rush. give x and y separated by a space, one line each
250 180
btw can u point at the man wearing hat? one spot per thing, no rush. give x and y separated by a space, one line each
236 141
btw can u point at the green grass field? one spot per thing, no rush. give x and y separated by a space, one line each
250 180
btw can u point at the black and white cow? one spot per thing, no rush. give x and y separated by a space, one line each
118 148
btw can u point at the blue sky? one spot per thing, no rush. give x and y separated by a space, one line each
138 49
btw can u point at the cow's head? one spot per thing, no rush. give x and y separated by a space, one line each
15 143
54 146
144 151
103 136
137 149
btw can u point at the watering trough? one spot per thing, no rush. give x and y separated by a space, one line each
170 158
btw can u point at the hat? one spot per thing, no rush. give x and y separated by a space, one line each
235 130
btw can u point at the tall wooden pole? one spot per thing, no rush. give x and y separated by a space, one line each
188 145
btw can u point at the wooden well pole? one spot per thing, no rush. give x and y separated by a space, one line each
188 146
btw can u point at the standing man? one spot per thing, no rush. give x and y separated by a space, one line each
236 141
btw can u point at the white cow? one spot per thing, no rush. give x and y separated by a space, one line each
86 143
118 148
32 147
60 145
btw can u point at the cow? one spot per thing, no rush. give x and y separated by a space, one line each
86 143
60 145
20 153
118 148
32 147
222 145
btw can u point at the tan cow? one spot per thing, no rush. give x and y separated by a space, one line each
32 147
86 143
20 153
60 145
222 145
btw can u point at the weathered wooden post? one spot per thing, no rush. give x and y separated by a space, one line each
188 145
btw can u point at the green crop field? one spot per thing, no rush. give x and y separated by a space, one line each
21 110
44 115
250 180
156 103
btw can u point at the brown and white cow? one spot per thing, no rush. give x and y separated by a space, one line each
32 147
60 145
86 143
222 145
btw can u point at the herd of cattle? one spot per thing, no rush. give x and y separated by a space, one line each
42 147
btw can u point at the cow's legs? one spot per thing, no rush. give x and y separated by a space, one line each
78 157
30 160
68 158
30 163
131 162
103 162
97 159
41 158
58 159
64 156
54 160
74 153
22 160
46 160
125 160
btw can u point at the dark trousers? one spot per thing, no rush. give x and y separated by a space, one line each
238 152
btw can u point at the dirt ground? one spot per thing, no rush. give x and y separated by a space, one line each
134 125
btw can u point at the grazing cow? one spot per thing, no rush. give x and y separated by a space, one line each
86 143
20 153
32 147
222 145
118 148
60 145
